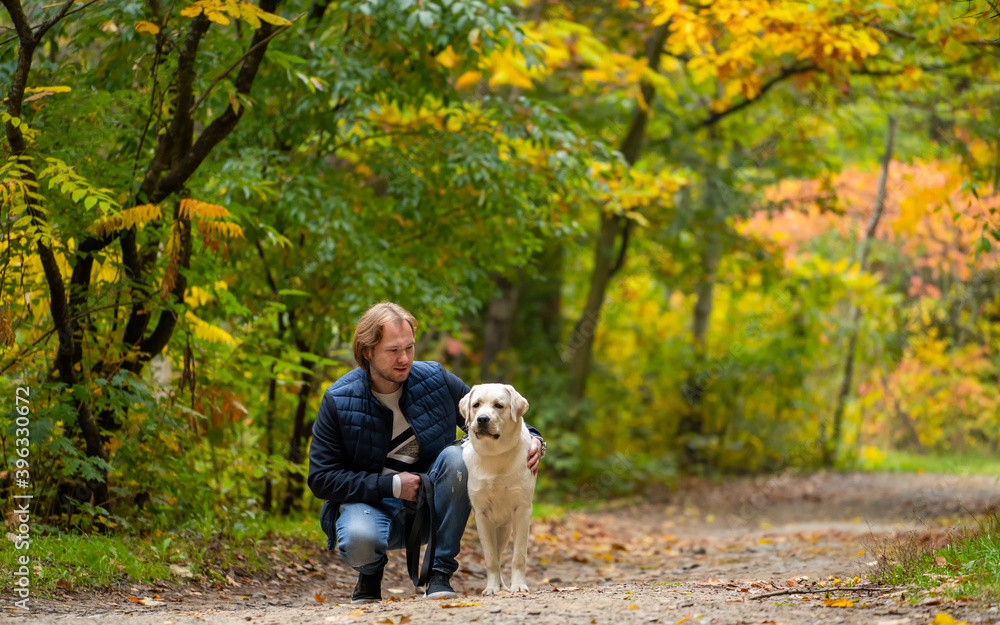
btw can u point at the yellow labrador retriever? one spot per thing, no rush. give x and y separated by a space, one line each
500 485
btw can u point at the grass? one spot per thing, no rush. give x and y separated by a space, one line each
906 462
73 561
968 566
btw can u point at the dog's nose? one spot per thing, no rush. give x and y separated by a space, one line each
482 419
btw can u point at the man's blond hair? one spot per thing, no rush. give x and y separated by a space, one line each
368 332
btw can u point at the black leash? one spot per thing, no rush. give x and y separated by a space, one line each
422 521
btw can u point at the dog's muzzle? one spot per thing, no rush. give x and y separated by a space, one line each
483 427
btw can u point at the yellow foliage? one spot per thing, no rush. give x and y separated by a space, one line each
135 216
220 229
196 209
146 27
207 332
197 296
58 89
217 10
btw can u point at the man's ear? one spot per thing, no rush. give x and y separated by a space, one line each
518 404
463 406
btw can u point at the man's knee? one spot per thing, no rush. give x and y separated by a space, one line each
360 543
360 546
451 459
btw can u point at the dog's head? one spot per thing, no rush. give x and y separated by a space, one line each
489 409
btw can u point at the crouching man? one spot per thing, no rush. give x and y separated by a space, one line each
377 427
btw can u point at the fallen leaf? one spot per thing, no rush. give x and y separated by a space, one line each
633 607
839 603
64 584
320 598
712 581
941 561
683 619
396 591
945 619
180 571
459 605
150 602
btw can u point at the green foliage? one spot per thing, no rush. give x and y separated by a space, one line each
968 566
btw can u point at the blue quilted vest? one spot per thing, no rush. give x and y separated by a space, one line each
353 429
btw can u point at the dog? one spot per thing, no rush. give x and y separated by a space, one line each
500 485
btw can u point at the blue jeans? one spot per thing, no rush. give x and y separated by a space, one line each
365 532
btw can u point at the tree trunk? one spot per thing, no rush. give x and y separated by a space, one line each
613 227
830 447
692 422
497 332
299 438
272 395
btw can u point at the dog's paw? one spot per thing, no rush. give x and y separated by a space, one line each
519 588
491 590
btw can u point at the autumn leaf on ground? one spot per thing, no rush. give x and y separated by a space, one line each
839 603
944 619
320 598
712 581
459 605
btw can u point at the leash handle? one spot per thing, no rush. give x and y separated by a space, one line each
423 520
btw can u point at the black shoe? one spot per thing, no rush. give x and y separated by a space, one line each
439 587
368 589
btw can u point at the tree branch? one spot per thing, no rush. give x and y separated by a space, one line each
220 128
238 61
788 72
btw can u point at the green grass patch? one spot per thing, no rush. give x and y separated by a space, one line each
968 566
952 464
91 561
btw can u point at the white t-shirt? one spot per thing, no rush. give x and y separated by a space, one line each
403 449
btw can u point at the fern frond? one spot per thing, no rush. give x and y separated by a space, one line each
219 230
196 209
207 332
135 216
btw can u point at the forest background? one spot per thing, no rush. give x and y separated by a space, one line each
740 236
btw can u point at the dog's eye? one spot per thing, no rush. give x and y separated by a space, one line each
498 406
475 405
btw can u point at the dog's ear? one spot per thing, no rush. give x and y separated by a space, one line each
518 404
463 405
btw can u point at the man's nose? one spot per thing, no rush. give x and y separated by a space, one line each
482 420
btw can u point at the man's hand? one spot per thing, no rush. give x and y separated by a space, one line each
534 455
410 484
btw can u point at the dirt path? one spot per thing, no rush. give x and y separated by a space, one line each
701 558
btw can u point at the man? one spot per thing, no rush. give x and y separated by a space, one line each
377 427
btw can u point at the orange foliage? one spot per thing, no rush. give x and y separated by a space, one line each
934 222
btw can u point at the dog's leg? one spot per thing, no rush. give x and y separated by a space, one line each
488 538
503 537
522 524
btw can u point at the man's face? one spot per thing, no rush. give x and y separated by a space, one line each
392 358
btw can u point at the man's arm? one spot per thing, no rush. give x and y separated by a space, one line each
328 477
